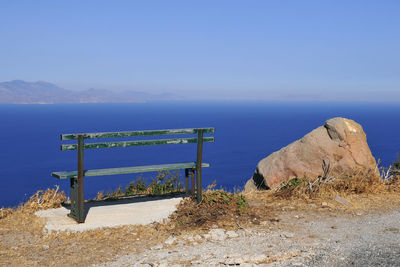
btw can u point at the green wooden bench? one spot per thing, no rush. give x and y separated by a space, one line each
76 177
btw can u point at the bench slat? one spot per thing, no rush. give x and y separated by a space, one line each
137 143
136 133
126 170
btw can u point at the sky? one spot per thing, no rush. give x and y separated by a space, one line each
243 50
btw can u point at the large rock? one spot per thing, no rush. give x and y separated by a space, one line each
341 142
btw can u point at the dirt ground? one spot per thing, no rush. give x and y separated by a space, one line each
293 238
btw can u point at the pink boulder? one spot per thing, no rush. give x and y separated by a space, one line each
341 142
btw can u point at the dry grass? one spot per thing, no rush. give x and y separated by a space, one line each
23 242
4 212
41 200
344 184
362 190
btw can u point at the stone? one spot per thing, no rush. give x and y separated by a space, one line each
342 201
258 258
189 238
232 234
341 142
234 261
217 234
170 240
287 235
157 247
197 237
207 236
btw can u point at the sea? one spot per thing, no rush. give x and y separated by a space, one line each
245 133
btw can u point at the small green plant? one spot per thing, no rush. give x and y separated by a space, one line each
165 182
219 196
113 194
120 191
136 187
226 198
292 183
242 201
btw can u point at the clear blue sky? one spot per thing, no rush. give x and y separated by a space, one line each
282 50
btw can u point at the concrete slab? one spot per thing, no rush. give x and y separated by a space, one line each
105 214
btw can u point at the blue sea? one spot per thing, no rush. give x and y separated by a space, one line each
245 133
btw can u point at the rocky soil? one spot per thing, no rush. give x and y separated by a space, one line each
276 229
293 239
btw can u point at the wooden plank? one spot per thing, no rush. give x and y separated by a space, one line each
127 170
137 143
136 133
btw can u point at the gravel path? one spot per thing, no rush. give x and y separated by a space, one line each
295 239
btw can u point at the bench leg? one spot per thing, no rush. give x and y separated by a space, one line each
187 181
80 202
198 180
80 197
198 164
77 198
77 208
192 191
74 198
193 184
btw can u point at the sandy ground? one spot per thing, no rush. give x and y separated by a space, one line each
294 239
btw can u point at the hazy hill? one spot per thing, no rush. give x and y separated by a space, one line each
22 92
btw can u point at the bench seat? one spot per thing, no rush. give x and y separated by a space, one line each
127 170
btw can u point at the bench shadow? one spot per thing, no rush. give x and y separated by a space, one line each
123 200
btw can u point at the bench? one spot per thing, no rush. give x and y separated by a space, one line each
76 177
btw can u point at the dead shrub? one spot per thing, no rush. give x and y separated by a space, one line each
217 207
4 212
357 182
41 200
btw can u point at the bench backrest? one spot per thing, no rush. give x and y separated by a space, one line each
82 136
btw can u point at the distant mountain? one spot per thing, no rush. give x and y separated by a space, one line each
22 92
